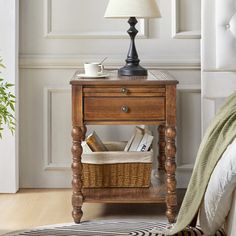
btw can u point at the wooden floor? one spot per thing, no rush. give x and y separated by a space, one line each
35 207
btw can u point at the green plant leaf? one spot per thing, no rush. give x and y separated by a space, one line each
7 101
12 106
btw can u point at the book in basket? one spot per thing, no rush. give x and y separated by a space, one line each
140 141
95 143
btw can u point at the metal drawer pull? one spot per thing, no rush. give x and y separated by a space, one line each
125 109
124 90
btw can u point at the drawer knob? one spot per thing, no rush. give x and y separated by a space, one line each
125 109
124 90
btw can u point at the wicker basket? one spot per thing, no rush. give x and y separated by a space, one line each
117 168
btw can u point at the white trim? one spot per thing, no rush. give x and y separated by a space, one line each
76 62
176 33
56 167
9 145
47 129
195 34
17 91
193 88
185 167
219 70
50 33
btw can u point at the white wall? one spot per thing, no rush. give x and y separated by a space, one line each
9 52
57 36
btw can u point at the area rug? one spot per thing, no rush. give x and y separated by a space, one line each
105 228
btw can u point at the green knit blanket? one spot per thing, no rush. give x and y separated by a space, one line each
218 136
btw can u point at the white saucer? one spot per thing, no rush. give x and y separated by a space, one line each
101 75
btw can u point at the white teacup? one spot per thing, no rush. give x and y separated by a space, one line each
93 68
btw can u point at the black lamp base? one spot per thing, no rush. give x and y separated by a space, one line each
132 70
132 67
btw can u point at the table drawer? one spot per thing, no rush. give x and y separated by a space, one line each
114 109
118 91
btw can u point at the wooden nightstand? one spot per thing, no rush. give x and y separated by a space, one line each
126 100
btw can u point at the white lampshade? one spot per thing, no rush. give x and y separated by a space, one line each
132 8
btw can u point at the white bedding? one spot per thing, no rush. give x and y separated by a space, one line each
218 197
231 219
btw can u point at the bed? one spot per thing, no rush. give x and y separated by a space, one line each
218 54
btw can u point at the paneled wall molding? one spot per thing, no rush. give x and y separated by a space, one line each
47 129
75 62
176 32
52 34
54 45
187 117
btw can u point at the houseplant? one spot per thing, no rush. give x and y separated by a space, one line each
7 102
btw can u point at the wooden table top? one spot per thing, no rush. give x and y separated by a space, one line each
153 78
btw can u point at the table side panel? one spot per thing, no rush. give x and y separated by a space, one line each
77 105
171 105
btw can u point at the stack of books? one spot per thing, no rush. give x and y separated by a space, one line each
140 141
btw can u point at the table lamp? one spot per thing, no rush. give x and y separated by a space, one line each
132 9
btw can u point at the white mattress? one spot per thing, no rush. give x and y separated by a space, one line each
217 201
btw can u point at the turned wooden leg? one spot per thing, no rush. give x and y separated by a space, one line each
84 130
78 134
170 165
162 144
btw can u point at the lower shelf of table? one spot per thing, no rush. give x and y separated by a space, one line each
154 194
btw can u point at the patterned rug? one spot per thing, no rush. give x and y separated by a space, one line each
105 228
